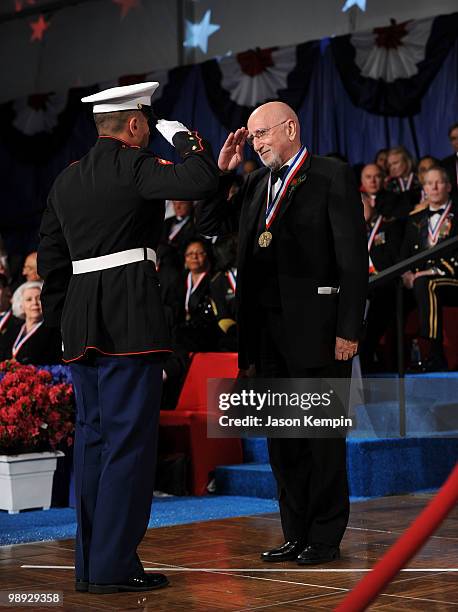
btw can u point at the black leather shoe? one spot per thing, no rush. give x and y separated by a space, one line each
314 554
81 585
142 582
285 552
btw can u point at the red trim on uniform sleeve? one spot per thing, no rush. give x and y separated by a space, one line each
74 162
164 162
115 354
199 139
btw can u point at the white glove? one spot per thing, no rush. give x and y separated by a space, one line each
168 129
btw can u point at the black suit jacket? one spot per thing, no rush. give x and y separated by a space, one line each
110 201
319 241
450 164
416 240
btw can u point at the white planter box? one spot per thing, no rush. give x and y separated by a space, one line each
26 480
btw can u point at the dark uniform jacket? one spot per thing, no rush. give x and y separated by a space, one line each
222 297
111 201
197 329
319 240
386 244
416 240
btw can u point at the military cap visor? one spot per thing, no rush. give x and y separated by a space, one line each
128 97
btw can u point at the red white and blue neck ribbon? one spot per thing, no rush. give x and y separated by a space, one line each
232 278
177 228
405 185
22 339
190 288
274 205
373 233
4 318
433 231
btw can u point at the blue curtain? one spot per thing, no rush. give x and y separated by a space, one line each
329 120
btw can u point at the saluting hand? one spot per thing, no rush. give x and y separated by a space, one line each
231 154
345 349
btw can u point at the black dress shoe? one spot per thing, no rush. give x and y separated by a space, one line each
285 552
81 585
314 554
142 582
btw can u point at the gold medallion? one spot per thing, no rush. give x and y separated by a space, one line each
265 239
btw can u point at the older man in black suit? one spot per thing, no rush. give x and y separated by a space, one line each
301 290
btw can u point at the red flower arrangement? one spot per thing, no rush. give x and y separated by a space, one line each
35 413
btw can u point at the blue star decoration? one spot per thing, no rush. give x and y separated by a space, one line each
197 34
349 3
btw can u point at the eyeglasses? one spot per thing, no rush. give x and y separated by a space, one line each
261 134
196 253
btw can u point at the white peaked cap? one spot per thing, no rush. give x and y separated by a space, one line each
129 97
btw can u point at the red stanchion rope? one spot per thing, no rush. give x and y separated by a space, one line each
404 549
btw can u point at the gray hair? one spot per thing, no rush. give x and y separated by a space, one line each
18 295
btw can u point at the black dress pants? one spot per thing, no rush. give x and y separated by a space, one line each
310 473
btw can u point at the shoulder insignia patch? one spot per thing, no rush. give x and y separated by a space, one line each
164 162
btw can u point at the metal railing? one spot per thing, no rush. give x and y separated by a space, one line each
393 273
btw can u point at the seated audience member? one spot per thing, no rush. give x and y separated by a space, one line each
29 270
9 324
381 160
425 163
33 342
434 284
384 237
402 188
222 291
401 176
197 329
176 233
450 163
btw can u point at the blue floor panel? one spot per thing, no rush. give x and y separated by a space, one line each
60 523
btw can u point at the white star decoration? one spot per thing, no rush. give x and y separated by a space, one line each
197 34
349 3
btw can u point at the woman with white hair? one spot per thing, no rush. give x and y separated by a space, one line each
31 341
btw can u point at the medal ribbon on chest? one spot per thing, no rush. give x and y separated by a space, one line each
190 288
21 340
273 207
4 319
231 276
370 241
433 233
405 186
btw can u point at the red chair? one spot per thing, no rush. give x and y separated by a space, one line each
185 428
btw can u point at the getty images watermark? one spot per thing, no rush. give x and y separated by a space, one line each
278 408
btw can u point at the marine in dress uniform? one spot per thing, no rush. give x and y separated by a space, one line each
99 235
434 282
301 292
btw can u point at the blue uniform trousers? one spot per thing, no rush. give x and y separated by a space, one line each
117 402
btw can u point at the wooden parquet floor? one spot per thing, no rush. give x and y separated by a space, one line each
214 566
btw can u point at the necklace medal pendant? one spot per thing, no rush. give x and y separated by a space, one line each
265 239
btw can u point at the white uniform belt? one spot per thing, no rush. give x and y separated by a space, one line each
104 262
